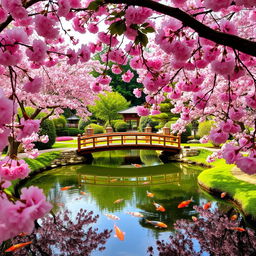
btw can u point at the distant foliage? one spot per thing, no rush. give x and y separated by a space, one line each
47 128
62 236
82 123
121 126
60 122
97 128
144 121
69 132
204 128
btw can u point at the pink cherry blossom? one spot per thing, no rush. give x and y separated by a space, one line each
34 85
142 111
116 69
105 80
236 114
84 53
217 5
28 127
218 136
247 165
93 28
38 51
64 7
127 76
45 27
137 92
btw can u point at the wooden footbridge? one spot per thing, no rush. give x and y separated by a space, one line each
126 140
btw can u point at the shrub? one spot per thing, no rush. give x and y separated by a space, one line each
69 132
204 128
60 122
47 128
83 123
97 128
144 121
121 126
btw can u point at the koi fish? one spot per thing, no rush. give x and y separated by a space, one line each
223 194
157 223
112 216
60 204
119 233
159 207
136 214
137 165
207 206
194 218
146 182
83 193
185 203
234 217
149 194
22 234
17 246
118 201
66 188
113 180
238 229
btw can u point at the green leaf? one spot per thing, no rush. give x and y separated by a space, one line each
94 6
148 30
141 38
117 28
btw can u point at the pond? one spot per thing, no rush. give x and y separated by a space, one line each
126 175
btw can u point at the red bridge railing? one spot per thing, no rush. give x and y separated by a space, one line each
127 140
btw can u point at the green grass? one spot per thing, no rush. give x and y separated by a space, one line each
220 177
42 161
205 145
71 144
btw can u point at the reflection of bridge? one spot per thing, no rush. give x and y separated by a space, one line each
166 178
125 140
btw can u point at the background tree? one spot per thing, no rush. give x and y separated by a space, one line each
107 106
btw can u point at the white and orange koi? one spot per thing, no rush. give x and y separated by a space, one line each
112 216
157 223
119 233
136 214
159 207
113 180
137 165
149 194
83 193
66 188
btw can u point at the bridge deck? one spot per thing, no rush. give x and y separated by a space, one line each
111 141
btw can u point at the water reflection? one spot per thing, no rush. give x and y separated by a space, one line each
178 183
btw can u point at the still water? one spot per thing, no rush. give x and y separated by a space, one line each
113 176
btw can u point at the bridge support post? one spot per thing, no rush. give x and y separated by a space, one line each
148 129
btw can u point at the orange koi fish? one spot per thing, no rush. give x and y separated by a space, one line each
17 246
118 201
137 165
119 233
113 180
22 234
149 194
207 206
112 216
238 229
159 207
66 188
157 223
146 182
234 217
185 203
60 204
223 194
194 218
136 214
83 193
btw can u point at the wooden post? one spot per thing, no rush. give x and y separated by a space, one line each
178 141
148 129
108 141
79 142
93 142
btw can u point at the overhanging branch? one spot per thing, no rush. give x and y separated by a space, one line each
235 42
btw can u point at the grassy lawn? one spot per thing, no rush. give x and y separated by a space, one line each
220 177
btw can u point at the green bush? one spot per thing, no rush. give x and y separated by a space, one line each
82 123
47 128
69 132
185 136
197 137
60 122
97 128
121 126
204 128
144 121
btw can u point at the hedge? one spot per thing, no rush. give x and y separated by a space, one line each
121 126
97 128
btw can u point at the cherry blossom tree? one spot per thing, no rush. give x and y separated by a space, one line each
200 54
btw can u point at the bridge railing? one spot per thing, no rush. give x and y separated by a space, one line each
128 139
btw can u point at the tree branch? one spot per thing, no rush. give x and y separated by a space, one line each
238 43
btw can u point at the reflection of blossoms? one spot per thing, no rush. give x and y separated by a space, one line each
217 234
59 235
